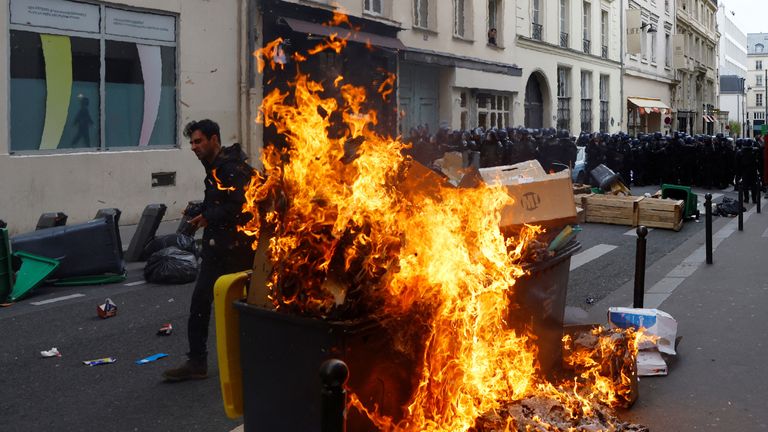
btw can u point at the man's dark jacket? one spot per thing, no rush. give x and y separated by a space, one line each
225 182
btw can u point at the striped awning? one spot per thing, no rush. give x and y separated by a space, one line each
649 105
709 118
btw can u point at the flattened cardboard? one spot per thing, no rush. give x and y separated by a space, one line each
538 197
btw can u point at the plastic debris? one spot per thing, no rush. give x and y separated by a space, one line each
101 361
107 310
151 358
53 352
165 330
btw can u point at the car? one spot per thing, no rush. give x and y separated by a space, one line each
579 172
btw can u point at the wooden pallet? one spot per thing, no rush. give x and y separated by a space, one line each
612 209
661 213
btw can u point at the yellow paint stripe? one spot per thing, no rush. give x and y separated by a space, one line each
57 51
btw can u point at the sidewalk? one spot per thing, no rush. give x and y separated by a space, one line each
719 378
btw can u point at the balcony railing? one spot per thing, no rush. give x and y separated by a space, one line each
563 113
537 31
604 52
603 116
564 39
587 46
586 115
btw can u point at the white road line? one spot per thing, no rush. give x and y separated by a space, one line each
57 299
633 232
590 254
765 233
130 284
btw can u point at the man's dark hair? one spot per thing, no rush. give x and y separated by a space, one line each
209 128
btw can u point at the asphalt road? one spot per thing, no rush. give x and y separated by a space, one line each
62 394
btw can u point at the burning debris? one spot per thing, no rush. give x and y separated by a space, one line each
356 230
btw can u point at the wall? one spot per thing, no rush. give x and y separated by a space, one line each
81 183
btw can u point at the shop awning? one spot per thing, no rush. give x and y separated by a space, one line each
307 27
648 105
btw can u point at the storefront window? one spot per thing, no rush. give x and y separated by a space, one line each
61 96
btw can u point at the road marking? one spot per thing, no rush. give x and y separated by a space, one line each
130 284
765 233
590 254
633 232
57 299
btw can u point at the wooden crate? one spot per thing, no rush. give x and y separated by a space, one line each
581 199
612 209
661 213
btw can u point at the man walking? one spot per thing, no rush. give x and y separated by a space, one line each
225 250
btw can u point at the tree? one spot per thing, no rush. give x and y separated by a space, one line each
735 128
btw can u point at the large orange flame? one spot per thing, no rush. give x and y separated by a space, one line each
349 233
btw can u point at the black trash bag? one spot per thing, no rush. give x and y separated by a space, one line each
3 224
171 266
728 207
181 241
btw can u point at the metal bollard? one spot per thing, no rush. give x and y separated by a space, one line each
759 194
642 232
708 221
741 206
334 374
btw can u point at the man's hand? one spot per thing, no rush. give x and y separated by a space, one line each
198 222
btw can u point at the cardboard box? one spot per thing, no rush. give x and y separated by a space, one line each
661 213
612 209
539 198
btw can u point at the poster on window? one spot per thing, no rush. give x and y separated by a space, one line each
59 14
634 32
141 25
679 52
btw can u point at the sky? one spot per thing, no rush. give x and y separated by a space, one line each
749 15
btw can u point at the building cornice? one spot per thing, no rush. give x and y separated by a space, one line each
649 76
557 50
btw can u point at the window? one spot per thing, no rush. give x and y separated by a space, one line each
604 33
459 18
495 26
759 47
667 50
563 98
373 7
464 110
653 47
586 101
493 110
587 25
759 99
82 89
759 64
759 81
421 13
537 28
604 103
644 44
666 6
564 11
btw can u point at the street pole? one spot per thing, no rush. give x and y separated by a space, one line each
333 374
741 205
708 220
639 294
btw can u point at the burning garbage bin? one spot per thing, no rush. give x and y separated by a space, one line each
280 355
538 303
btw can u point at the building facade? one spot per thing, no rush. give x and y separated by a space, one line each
649 77
732 66
96 95
569 52
757 64
696 95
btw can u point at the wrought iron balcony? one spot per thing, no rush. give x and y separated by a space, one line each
587 46
537 31
604 52
564 39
